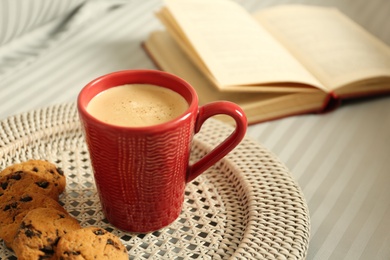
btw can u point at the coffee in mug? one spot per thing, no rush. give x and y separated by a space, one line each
141 171
137 105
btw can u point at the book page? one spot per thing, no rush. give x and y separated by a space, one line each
182 42
331 46
232 45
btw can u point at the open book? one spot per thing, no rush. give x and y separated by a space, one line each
277 62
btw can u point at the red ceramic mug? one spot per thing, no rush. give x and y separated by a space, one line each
141 172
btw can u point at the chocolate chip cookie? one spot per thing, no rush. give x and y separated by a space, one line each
13 208
90 243
40 231
41 168
27 181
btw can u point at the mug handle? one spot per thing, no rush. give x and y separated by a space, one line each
207 111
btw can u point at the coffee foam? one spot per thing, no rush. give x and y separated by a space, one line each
137 105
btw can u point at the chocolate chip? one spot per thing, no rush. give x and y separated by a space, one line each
99 232
42 184
30 230
26 198
12 205
35 169
113 243
29 233
4 185
16 175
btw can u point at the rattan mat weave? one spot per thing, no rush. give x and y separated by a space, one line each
247 206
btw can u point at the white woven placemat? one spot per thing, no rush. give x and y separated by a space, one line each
247 206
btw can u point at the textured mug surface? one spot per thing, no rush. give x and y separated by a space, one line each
141 172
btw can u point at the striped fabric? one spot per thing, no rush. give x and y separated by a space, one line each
341 159
19 17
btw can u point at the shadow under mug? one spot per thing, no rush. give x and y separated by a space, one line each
141 172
